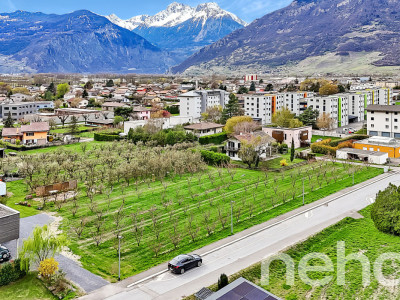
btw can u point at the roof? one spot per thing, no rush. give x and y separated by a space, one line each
248 136
36 127
203 126
114 104
6 211
380 141
242 289
11 132
139 108
384 108
190 94
365 153
102 122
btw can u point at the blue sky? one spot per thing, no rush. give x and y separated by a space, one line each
248 10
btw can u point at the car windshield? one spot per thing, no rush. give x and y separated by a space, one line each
3 248
178 259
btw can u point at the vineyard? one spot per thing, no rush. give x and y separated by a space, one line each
166 201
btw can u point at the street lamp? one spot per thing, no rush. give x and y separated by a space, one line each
232 217
303 191
119 257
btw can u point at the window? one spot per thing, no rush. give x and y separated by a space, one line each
387 119
386 134
373 133
372 125
372 118
387 126
30 134
395 120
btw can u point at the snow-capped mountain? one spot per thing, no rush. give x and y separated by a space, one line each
182 29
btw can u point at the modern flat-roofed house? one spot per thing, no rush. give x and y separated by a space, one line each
9 224
19 110
301 136
234 144
203 129
33 134
111 106
391 146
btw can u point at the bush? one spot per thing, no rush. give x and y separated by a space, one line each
283 163
213 158
330 147
357 137
386 210
222 281
107 136
217 139
48 267
11 272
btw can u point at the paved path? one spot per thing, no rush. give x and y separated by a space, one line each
86 280
248 247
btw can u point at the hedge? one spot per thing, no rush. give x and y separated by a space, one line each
330 147
213 158
217 139
106 137
357 137
11 272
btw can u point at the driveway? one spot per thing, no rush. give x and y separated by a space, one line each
249 247
83 278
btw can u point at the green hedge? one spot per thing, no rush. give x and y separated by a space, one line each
217 139
357 137
10 272
213 158
106 137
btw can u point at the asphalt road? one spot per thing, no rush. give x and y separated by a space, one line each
85 279
258 243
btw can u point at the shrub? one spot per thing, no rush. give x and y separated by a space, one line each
48 267
222 281
11 272
213 158
386 210
106 136
283 163
217 139
353 137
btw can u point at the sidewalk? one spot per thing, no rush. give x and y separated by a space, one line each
124 285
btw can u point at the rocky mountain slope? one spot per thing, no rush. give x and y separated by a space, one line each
77 42
181 29
320 29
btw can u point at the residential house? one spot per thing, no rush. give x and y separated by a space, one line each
20 97
301 136
203 129
81 104
111 106
234 143
18 110
35 133
142 113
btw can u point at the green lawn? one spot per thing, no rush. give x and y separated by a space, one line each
317 137
360 236
66 129
256 202
27 288
276 162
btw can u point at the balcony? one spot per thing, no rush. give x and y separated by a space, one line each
233 149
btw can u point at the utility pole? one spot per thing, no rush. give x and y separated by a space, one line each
232 217
303 191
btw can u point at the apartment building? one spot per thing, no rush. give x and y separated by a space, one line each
194 103
335 105
383 120
262 107
18 110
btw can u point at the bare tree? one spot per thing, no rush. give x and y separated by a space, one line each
63 119
79 227
192 229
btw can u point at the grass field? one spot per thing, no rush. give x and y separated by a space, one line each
204 199
66 129
27 288
276 162
360 236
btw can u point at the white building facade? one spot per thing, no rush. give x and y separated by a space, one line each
194 103
383 120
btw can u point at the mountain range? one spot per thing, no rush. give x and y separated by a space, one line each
78 42
181 29
308 36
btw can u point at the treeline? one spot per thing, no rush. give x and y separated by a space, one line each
163 137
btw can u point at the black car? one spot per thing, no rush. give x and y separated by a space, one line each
184 262
4 254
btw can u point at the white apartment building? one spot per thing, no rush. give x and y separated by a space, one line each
263 106
383 120
335 105
194 103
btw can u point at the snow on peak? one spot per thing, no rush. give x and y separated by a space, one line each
175 14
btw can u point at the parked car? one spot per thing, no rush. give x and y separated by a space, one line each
5 254
184 262
351 130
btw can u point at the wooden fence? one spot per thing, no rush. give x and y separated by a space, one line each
42 191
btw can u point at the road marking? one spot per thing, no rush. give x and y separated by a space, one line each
274 224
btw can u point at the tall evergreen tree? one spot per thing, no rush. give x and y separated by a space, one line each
9 122
292 151
252 87
309 117
232 109
52 88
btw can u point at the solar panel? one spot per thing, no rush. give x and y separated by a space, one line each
243 288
